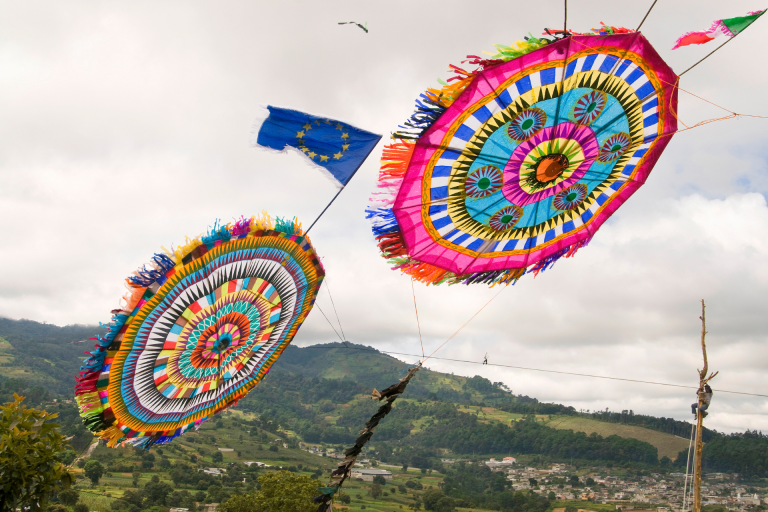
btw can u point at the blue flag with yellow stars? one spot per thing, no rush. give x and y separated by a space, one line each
337 148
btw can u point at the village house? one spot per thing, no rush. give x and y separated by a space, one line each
368 474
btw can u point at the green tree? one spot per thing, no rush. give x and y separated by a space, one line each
445 504
93 470
590 481
431 497
69 497
81 507
379 479
281 491
376 490
29 465
67 457
345 498
218 457
238 503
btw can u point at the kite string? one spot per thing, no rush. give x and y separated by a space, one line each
329 323
546 371
732 114
418 324
343 336
465 324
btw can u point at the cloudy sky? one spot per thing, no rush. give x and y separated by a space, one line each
125 127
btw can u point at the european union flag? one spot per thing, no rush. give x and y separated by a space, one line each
338 148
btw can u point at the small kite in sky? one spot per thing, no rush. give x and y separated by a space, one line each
364 27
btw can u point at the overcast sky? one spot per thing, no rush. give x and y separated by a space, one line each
125 127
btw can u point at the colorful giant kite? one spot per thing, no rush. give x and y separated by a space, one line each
199 330
521 161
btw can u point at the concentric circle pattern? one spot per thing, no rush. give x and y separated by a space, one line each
484 181
506 218
614 147
570 198
526 124
589 107
203 334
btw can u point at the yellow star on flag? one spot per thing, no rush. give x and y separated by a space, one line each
339 126
323 158
338 155
327 121
300 134
307 126
303 149
344 135
312 154
344 147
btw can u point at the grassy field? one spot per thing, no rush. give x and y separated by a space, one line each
667 444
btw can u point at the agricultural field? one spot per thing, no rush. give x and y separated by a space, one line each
667 444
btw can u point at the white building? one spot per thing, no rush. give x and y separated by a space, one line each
505 462
748 500
368 474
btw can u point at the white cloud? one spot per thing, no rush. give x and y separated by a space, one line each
125 127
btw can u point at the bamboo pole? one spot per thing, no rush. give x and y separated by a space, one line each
703 379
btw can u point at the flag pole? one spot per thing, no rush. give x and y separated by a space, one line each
324 209
339 192
710 53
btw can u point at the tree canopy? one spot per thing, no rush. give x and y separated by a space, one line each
281 491
30 468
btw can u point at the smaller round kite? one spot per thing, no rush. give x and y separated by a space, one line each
198 331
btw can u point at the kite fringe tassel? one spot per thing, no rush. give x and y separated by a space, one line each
113 435
238 229
567 252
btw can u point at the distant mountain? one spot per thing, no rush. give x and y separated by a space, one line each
44 354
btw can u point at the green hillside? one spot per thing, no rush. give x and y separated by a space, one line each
319 395
667 444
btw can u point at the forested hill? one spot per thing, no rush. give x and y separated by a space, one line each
318 393
49 356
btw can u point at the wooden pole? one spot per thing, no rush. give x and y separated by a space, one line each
703 379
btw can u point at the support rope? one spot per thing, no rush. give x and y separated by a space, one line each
646 16
687 468
344 336
547 371
463 326
418 324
